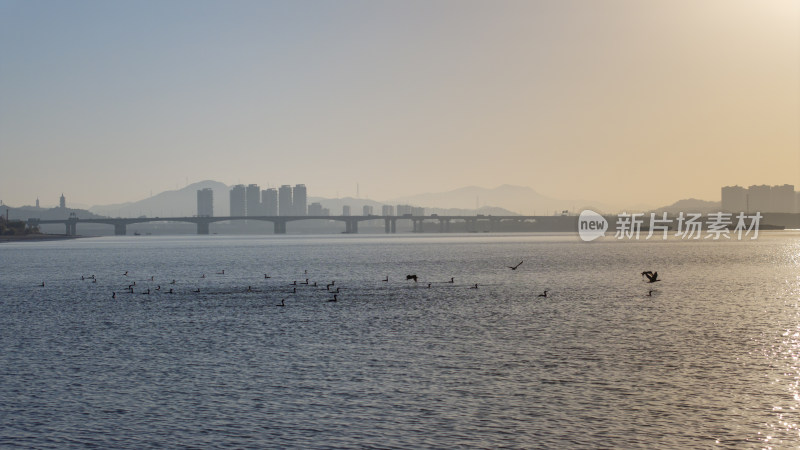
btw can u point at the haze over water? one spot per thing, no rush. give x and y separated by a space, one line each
710 358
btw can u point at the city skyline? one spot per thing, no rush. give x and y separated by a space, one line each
763 198
618 101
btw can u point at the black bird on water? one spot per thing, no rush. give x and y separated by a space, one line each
475 286
282 302
411 277
334 299
544 294
386 279
652 277
515 267
650 292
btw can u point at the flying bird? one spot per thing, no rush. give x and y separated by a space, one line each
652 277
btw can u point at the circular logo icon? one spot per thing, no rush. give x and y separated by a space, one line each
591 225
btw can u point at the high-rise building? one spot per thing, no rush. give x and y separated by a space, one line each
205 202
387 210
37 202
62 202
797 202
269 202
315 209
299 200
285 200
758 198
734 199
367 210
253 200
403 209
346 210
238 200
782 199
417 211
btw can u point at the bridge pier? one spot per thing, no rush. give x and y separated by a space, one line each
279 227
390 225
203 228
72 227
351 226
444 225
120 229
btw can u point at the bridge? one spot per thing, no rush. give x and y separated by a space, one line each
473 223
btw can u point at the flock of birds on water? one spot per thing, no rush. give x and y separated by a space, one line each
331 287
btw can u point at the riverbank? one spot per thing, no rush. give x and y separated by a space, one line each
37 237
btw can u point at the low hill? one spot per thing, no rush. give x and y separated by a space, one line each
523 200
175 203
691 205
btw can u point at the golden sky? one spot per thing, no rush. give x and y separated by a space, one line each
621 102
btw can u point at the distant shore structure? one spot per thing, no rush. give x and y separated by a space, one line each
763 198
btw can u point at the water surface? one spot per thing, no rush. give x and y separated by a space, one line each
710 359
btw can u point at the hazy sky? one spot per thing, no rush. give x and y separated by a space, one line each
615 101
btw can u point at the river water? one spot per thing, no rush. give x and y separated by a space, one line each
709 358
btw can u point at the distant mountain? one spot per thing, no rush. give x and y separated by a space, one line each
692 205
357 207
502 200
523 200
177 203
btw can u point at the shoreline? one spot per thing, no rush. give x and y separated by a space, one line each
37 237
